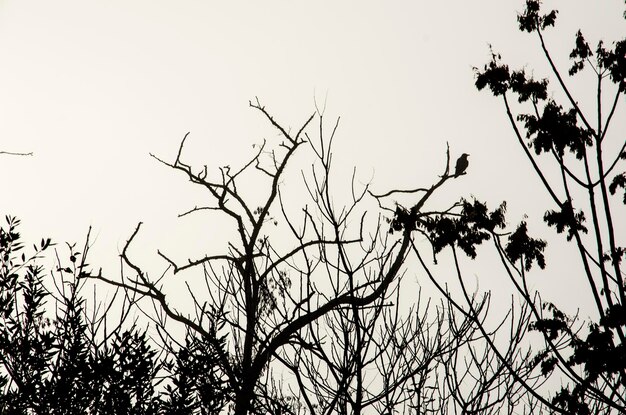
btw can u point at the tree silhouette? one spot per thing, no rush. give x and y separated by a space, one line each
305 310
588 358
59 355
61 359
269 307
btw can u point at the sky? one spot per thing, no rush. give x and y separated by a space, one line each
93 87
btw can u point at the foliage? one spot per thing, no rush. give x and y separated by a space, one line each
54 362
592 358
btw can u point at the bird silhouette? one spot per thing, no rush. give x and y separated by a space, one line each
461 165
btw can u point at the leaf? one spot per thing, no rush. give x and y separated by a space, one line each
495 76
615 62
521 247
566 218
614 317
548 365
579 54
528 88
531 20
556 130
617 182
472 228
548 19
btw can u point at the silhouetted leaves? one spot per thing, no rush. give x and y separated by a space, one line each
598 354
127 370
51 365
566 218
551 327
580 53
619 181
197 383
528 88
614 317
599 359
402 219
546 361
571 402
495 76
471 228
556 130
522 247
531 19
548 365
499 79
615 62
443 231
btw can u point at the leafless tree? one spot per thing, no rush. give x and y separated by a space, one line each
321 304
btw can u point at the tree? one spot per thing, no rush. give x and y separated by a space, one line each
268 306
303 312
269 309
63 359
588 358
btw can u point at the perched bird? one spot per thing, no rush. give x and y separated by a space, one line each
461 165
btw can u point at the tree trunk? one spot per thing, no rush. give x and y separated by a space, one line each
243 400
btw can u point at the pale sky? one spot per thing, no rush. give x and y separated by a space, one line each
92 87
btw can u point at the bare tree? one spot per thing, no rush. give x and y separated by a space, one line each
324 300
379 358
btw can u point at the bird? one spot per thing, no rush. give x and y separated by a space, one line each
461 165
